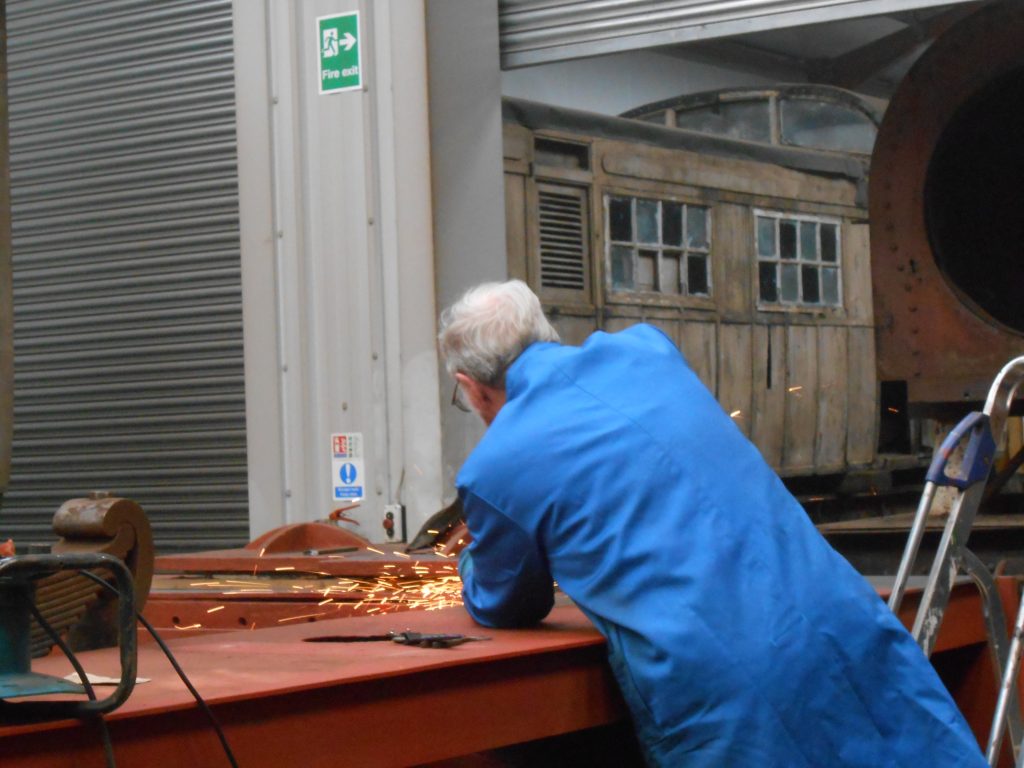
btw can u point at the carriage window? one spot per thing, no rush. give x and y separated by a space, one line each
658 246
748 119
797 260
823 125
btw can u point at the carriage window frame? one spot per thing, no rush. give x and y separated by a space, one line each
789 236
688 260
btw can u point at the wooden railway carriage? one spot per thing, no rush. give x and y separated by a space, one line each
754 258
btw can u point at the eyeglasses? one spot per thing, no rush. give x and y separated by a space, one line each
457 400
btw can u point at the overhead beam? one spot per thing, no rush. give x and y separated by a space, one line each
852 69
558 30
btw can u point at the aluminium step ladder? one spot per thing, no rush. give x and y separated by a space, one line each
978 433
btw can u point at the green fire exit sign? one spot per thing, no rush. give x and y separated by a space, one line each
340 52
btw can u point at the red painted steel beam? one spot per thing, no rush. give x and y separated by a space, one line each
286 701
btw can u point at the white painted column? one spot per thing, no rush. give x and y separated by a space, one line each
336 252
466 158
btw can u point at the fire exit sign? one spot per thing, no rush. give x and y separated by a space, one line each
340 52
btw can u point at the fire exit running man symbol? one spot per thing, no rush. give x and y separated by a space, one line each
340 52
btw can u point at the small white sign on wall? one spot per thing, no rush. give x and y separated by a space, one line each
347 468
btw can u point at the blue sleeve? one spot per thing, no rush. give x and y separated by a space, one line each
505 578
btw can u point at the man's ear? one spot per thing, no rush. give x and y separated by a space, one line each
475 392
484 399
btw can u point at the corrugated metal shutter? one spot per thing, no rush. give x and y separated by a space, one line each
541 31
128 319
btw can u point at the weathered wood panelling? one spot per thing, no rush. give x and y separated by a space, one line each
734 373
668 325
680 167
801 403
573 330
515 225
830 440
767 413
700 348
857 274
731 263
862 398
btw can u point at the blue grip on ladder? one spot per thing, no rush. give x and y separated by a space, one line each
978 454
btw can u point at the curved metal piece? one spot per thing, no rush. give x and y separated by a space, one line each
1000 396
112 525
32 567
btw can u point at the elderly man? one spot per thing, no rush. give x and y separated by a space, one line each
737 635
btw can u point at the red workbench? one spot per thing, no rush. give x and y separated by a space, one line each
284 700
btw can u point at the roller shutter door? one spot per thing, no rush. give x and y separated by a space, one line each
128 319
543 31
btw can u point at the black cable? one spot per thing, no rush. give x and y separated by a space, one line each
108 747
177 668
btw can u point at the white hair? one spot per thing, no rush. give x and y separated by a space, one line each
486 330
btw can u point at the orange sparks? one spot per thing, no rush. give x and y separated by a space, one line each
797 388
400 554
214 610
371 549
734 414
285 568
303 616
190 626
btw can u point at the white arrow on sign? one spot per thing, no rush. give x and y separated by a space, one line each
348 41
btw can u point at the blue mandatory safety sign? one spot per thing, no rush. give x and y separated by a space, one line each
347 467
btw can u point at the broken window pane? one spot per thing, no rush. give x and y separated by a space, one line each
830 285
622 267
697 275
647 221
672 224
790 289
765 236
787 239
809 278
696 227
808 241
766 280
620 219
829 251
669 282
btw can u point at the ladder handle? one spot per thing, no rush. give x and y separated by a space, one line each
978 454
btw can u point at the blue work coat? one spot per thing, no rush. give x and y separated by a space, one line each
738 636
